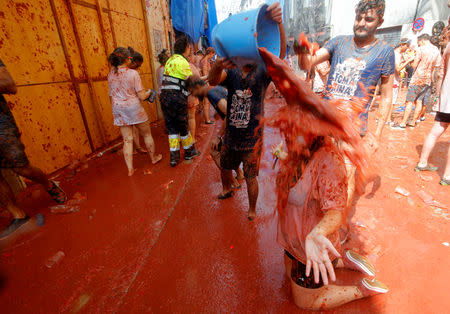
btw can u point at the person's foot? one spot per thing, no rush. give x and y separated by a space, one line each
251 215
13 226
369 287
191 153
236 185
156 159
131 172
225 195
174 158
209 122
422 119
445 182
56 193
419 168
140 150
411 125
240 175
354 261
397 126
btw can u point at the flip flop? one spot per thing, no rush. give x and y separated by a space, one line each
426 168
226 195
140 150
397 126
444 182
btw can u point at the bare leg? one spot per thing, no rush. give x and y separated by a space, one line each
8 201
192 125
206 109
408 110
227 179
136 139
436 131
417 112
325 297
239 174
146 131
447 166
252 191
127 135
34 174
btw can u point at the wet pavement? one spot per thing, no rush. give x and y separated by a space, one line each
161 242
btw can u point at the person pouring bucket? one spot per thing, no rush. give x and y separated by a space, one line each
174 104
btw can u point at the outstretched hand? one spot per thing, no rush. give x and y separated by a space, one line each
275 13
225 63
317 247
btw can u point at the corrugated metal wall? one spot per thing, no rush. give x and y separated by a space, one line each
56 51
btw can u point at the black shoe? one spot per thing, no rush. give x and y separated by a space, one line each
191 153
13 226
58 195
174 158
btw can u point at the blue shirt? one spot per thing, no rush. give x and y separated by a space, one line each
352 66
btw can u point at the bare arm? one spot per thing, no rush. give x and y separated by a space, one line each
7 84
217 73
144 94
307 61
385 103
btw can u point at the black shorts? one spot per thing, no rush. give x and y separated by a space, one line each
232 159
298 274
12 151
442 117
419 92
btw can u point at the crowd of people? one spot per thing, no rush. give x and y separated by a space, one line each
315 198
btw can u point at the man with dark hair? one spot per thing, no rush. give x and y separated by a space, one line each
13 157
174 102
246 90
426 61
357 63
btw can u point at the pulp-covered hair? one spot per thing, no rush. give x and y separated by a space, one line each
210 50
194 81
180 45
137 57
162 57
424 37
366 5
118 57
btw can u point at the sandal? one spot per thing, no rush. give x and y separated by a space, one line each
236 187
226 195
444 182
397 126
140 150
209 122
426 168
56 193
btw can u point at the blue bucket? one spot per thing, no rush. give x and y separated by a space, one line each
239 36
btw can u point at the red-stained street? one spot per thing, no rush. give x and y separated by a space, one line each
144 244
